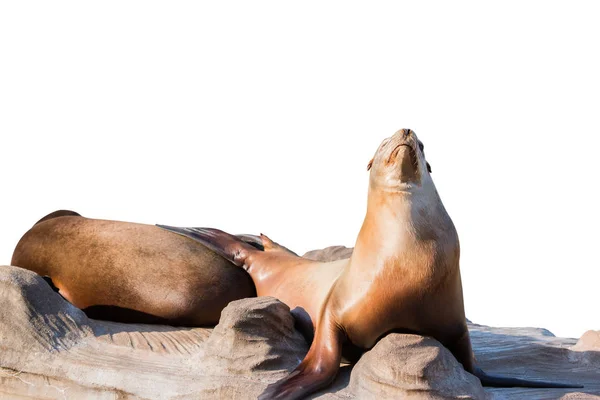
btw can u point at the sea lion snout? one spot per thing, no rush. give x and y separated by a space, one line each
399 161
405 137
404 132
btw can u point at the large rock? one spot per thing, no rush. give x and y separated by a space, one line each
50 349
253 335
533 353
254 343
408 366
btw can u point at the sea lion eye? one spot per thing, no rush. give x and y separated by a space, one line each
421 146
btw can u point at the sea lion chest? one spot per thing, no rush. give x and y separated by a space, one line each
396 292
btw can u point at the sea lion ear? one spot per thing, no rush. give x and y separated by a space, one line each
370 164
428 167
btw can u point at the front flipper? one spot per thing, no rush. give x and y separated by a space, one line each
228 246
318 369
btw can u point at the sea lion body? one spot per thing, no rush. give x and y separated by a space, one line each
112 266
403 275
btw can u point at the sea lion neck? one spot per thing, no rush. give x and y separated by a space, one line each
388 214
394 219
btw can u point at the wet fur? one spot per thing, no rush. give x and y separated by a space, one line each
404 269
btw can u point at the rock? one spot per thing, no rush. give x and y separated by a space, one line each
34 312
409 366
47 346
327 254
533 353
50 349
579 396
253 335
590 341
254 343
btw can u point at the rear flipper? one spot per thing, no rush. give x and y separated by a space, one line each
228 246
252 240
461 348
233 248
262 242
501 381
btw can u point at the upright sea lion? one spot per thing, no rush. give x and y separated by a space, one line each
131 272
403 275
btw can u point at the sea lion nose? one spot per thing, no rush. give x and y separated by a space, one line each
406 132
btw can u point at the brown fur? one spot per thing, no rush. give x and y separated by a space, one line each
133 267
403 271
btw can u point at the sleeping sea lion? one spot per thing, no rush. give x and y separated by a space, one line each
131 272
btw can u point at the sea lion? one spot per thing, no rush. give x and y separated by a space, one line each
403 275
131 272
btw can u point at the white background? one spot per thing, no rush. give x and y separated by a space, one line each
262 116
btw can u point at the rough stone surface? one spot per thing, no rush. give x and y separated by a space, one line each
590 341
50 349
254 335
332 253
534 353
405 366
579 396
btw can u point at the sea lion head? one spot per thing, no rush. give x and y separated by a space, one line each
399 163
